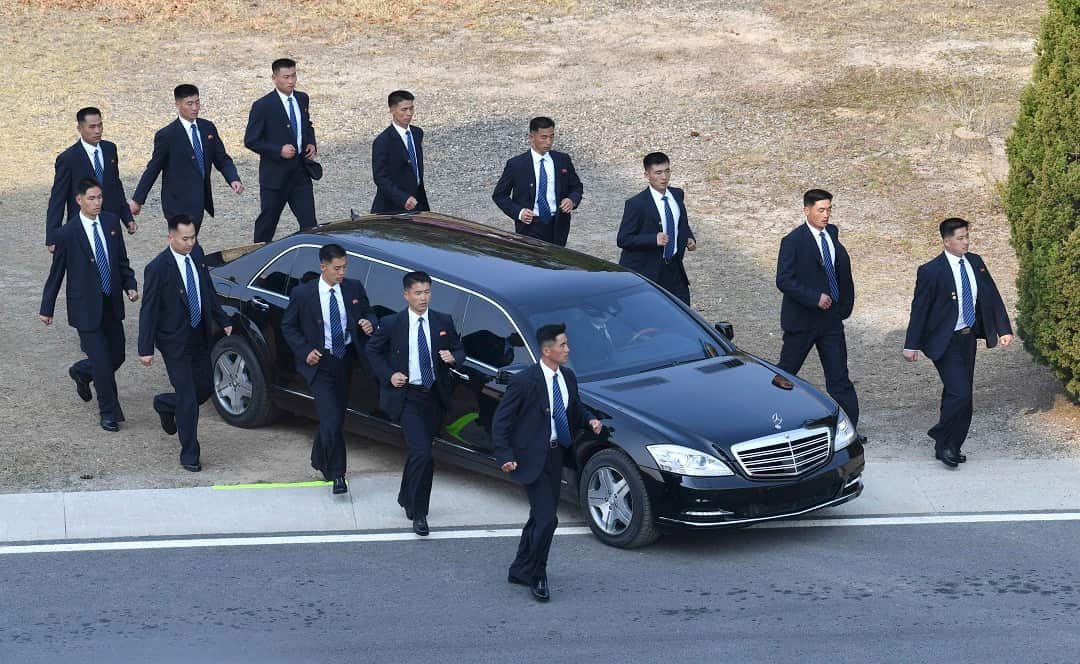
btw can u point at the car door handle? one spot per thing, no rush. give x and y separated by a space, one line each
260 304
463 377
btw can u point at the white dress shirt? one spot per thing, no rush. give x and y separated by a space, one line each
817 243
88 228
658 198
548 373
954 263
90 150
414 354
324 300
181 264
187 132
401 132
549 168
299 119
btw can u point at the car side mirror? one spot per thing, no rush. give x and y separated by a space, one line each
726 329
506 373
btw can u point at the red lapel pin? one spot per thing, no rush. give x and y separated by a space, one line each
442 333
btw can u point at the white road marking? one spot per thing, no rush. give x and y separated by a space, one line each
359 538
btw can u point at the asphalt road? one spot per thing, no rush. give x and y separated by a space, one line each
938 593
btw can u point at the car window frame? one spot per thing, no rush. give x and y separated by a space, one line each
251 284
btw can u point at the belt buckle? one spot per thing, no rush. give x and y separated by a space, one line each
965 330
553 444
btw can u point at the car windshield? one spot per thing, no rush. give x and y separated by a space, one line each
626 331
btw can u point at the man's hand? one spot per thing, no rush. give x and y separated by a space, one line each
1006 339
313 357
411 203
51 248
596 426
228 330
824 302
46 319
237 186
446 356
135 208
662 239
133 295
288 151
691 244
399 379
527 216
566 205
310 151
132 227
366 325
509 466
146 360
911 355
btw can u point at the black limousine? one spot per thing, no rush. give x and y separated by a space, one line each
697 433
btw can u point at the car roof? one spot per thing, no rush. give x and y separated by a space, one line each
476 256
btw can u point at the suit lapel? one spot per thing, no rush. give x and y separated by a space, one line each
185 140
650 205
80 234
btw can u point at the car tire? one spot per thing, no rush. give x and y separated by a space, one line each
617 507
241 393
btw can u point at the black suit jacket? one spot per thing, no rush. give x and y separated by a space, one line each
637 235
935 307
392 171
74 257
184 190
73 165
302 324
268 129
521 428
164 319
516 191
801 277
388 353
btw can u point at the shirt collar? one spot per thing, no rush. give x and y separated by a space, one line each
413 316
284 97
179 257
815 232
536 156
87 220
955 260
548 373
89 148
400 130
324 287
657 196
187 124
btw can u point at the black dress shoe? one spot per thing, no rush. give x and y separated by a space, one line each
109 425
168 422
340 486
517 580
947 457
82 387
193 467
861 439
420 527
961 457
540 589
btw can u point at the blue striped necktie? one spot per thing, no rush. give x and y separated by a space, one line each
427 376
337 337
102 260
194 310
830 269
542 205
99 171
197 146
965 295
558 413
412 154
295 124
669 230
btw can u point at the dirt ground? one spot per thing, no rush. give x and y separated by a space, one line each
754 100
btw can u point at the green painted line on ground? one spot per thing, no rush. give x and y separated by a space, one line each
268 485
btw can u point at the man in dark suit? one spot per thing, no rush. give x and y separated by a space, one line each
89 157
655 234
326 325
956 302
184 150
179 303
90 250
539 417
411 354
397 160
279 130
813 271
540 210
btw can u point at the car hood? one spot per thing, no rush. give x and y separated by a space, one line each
724 400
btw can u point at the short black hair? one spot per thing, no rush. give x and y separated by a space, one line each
416 277
86 184
655 159
815 196
330 252
81 114
398 96
180 219
540 122
282 63
185 90
549 333
949 227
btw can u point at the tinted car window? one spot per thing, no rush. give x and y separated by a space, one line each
489 337
626 331
383 286
306 266
275 278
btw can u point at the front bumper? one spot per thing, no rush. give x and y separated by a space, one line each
724 502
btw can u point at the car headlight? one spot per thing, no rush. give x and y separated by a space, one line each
845 431
685 461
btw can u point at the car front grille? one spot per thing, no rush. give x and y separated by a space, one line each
784 455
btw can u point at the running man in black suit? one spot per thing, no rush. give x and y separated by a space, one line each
90 251
90 157
178 311
956 302
397 160
411 354
539 416
326 325
813 271
539 188
279 130
184 150
655 234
